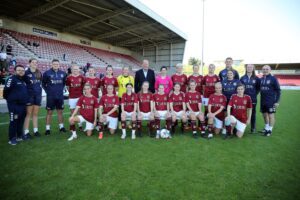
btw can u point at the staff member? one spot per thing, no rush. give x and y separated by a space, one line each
33 78
270 93
16 94
54 81
252 87
223 73
143 75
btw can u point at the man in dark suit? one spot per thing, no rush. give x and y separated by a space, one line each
144 74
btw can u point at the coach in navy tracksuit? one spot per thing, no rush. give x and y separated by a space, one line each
33 79
252 87
16 94
229 85
270 95
223 73
54 81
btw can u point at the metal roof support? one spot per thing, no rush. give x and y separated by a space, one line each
123 30
141 38
42 9
97 19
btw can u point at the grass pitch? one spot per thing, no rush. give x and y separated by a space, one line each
254 167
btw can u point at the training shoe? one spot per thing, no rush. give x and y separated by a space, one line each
224 136
72 137
100 136
37 134
224 131
195 135
123 136
80 128
267 133
47 132
263 131
26 136
13 142
210 136
203 135
157 136
62 130
253 131
133 136
19 139
139 134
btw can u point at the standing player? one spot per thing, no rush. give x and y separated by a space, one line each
145 109
180 78
108 111
239 112
128 107
216 115
109 79
161 109
33 78
54 81
87 106
16 95
177 107
164 80
94 81
197 78
193 104
75 83
270 96
252 85
208 84
223 73
123 79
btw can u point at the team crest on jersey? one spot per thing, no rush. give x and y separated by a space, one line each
113 100
197 96
245 102
221 100
180 99
79 79
268 81
105 100
165 99
62 75
182 79
92 101
30 75
253 81
51 76
215 80
234 84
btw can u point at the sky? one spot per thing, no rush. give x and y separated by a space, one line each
252 30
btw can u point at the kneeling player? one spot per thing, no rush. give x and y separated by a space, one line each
177 107
216 105
145 108
193 102
239 112
128 106
161 109
108 111
87 106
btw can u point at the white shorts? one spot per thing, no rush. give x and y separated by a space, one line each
240 126
178 114
205 101
218 123
88 125
146 116
162 114
112 122
73 103
128 115
189 113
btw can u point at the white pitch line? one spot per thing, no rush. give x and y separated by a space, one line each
42 117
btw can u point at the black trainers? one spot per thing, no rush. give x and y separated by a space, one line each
195 135
224 136
253 131
26 136
37 134
139 134
80 128
47 132
203 135
267 133
62 130
263 131
173 130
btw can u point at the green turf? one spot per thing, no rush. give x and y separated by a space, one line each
254 167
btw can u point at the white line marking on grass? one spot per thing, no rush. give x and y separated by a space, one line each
42 117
